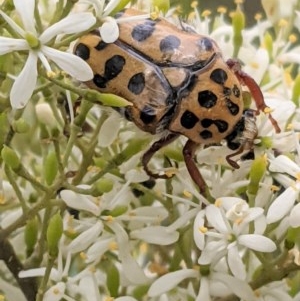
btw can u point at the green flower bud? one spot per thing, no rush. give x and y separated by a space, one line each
10 158
54 233
257 171
112 279
31 235
50 167
20 126
238 24
268 43
103 186
117 211
106 99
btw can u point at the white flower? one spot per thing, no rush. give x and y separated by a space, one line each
109 31
284 203
36 45
226 284
228 239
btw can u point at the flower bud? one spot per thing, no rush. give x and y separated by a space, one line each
112 279
50 167
102 186
257 171
45 115
20 126
31 235
117 211
10 158
54 233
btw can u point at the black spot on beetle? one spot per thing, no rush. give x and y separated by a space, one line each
226 91
147 114
206 134
100 81
82 51
101 45
188 120
219 76
206 122
136 83
114 66
205 44
169 44
119 14
141 32
236 91
207 99
221 125
232 107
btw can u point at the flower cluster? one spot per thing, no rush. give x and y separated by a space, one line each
79 217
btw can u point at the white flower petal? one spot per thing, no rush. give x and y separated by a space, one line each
97 249
215 218
125 298
290 57
294 217
156 235
257 242
79 201
38 272
169 281
283 164
86 238
73 23
282 205
27 14
70 63
10 218
55 293
110 6
235 263
132 271
237 286
109 31
109 130
9 45
12 24
258 64
204 293
212 252
88 287
199 236
25 83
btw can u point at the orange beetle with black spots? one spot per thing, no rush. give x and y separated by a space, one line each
178 84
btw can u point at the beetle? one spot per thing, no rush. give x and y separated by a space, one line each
178 84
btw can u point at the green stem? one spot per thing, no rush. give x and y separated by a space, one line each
43 285
15 186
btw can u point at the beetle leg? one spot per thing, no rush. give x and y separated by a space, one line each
246 80
189 154
156 146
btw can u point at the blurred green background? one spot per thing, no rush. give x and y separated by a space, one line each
250 7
